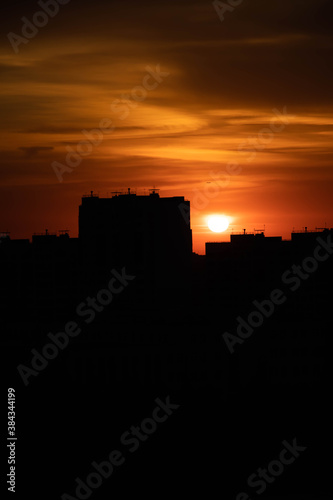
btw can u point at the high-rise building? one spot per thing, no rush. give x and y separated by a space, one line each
147 234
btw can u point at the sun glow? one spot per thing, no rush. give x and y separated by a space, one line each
218 223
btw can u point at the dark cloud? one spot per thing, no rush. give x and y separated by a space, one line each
32 151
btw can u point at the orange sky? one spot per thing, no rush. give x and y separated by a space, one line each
224 81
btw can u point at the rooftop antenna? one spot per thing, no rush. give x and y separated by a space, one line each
154 190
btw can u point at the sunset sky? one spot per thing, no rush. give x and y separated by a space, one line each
220 83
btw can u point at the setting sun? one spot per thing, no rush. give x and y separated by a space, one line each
218 223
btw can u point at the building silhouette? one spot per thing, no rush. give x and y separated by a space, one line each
147 234
287 350
177 299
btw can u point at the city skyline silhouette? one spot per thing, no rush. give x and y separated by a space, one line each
128 307
148 239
